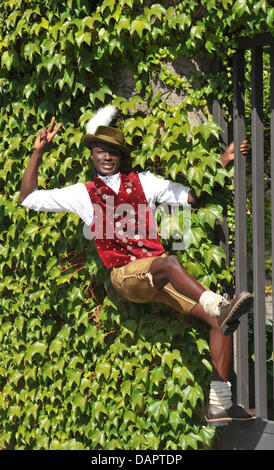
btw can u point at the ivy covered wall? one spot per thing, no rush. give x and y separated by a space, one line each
81 368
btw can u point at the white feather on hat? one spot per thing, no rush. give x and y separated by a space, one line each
102 117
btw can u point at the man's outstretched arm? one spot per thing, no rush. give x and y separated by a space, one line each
43 139
228 155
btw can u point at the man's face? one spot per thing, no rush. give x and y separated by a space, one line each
106 158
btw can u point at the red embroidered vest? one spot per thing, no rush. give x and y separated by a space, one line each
123 226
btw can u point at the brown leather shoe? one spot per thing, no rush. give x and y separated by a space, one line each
232 310
217 416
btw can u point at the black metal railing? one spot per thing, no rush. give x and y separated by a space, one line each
253 379
257 45
250 261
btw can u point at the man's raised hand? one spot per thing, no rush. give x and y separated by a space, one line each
45 136
43 139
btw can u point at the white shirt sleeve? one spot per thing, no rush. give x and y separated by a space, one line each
73 198
159 190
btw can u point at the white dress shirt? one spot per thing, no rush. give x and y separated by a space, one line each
75 198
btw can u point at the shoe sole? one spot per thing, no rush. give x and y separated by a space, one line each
243 305
231 327
226 421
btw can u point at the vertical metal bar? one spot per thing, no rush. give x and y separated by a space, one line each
258 232
219 117
272 181
221 228
240 225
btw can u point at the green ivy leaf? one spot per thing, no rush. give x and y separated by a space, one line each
122 24
81 37
190 441
9 58
103 369
30 49
79 402
207 435
183 374
210 214
270 17
196 174
156 10
36 348
31 230
159 409
99 409
240 7
55 347
139 25
138 401
214 254
157 375
193 394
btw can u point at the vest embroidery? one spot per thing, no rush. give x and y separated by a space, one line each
123 226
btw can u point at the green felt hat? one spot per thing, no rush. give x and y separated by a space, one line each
107 135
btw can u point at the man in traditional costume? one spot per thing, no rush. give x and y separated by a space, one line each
131 249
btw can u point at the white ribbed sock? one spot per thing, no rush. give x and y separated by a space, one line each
210 302
220 394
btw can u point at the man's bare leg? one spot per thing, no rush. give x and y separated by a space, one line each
169 269
221 410
220 345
